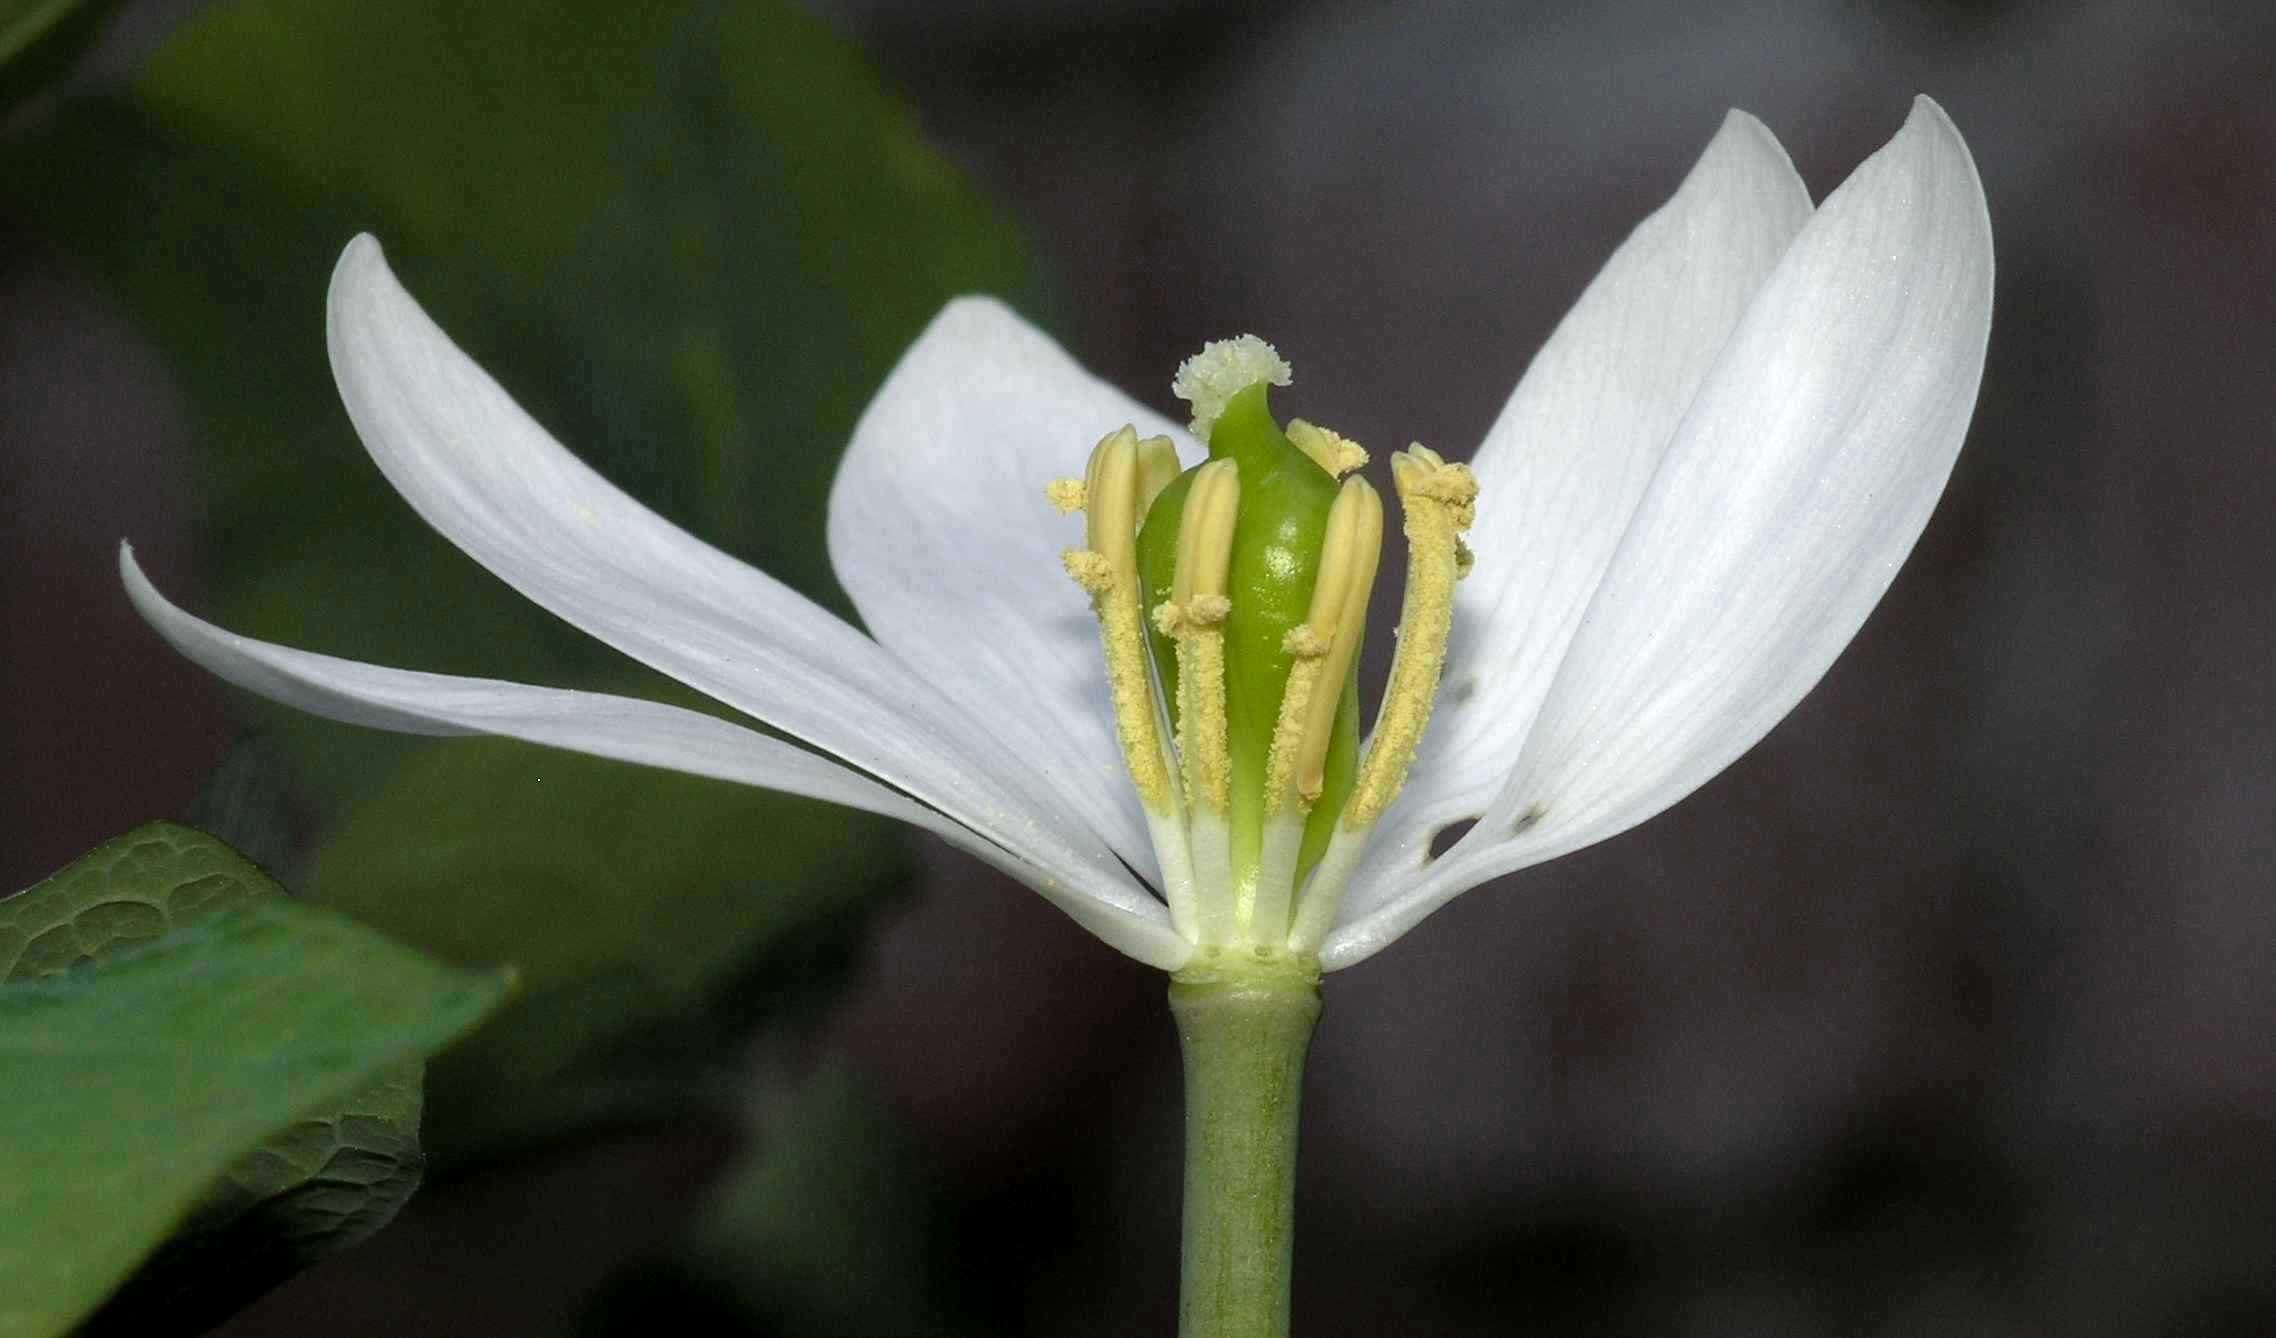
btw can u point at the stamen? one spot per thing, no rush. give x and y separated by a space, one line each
1323 646
1108 569
1338 455
1222 369
1439 501
1195 616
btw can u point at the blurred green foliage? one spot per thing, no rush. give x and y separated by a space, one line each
186 1051
691 239
39 39
24 22
824 1227
857 1269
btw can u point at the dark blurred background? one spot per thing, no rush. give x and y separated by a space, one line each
1948 1009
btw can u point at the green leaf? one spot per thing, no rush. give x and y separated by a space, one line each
127 892
654 917
136 1078
319 1186
328 1181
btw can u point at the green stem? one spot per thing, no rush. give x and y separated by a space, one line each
1244 1024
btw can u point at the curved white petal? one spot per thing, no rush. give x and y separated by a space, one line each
940 531
1564 466
482 472
1797 483
622 728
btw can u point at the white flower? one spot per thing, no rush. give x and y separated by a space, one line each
1702 485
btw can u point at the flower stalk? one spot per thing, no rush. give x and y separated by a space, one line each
1244 1022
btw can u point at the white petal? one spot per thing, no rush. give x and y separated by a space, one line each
485 474
621 728
940 531
1564 466
1798 482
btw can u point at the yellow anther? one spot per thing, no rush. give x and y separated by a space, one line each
1439 501
1338 455
1195 616
1110 497
1158 467
1108 569
1069 495
1464 560
1324 645
1205 532
1425 473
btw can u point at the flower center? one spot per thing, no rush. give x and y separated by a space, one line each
1232 601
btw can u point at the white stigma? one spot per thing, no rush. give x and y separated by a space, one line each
1222 369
